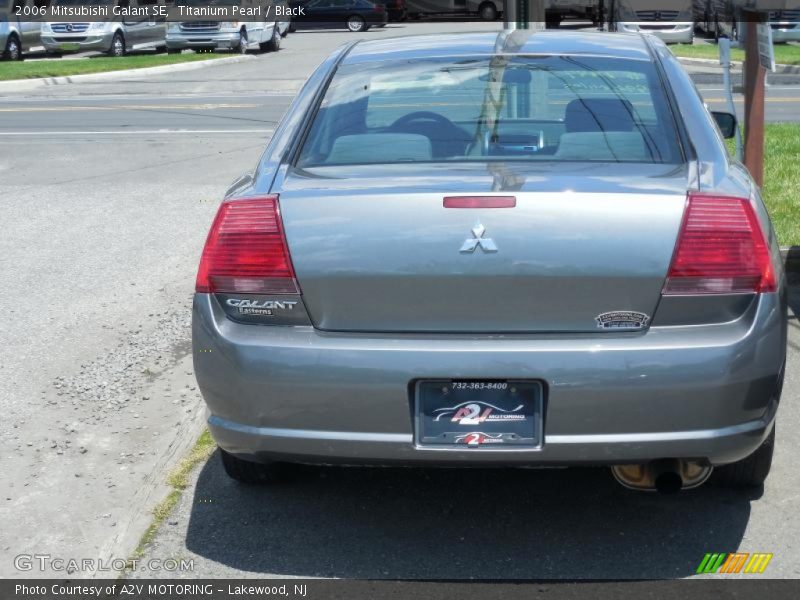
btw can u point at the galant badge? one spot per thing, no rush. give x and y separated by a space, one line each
477 239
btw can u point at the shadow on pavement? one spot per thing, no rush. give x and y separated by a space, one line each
460 524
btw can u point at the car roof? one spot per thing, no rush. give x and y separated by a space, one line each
619 45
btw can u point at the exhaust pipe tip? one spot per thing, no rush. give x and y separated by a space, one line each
666 476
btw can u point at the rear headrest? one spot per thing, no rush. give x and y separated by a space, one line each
380 148
609 146
599 114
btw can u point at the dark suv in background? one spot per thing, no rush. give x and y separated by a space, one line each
355 15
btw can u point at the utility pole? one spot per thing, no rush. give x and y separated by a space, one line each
754 79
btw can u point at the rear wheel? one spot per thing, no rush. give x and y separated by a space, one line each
13 50
752 471
252 473
553 21
274 44
117 48
356 23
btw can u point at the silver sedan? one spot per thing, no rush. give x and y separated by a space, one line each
496 249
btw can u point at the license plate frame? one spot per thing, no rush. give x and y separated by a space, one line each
478 414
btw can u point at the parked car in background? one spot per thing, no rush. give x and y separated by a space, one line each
717 18
355 15
785 25
674 23
115 38
555 11
487 10
239 36
19 37
395 9
496 249
723 18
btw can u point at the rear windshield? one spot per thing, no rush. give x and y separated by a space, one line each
555 108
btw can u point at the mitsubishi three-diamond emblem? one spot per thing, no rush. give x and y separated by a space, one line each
477 239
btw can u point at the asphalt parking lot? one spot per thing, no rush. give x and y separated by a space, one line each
108 189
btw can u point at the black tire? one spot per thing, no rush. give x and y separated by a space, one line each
274 44
13 49
242 47
117 48
173 51
750 472
286 31
356 23
162 49
553 22
252 473
487 11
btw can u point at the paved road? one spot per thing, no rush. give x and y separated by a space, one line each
244 112
107 191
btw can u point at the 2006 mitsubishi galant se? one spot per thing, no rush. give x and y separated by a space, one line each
499 249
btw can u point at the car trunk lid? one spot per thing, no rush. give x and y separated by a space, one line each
586 247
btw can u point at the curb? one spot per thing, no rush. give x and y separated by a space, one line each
19 85
780 69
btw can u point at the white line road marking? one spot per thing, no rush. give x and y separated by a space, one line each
139 132
128 97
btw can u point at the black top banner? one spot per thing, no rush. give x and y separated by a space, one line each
599 11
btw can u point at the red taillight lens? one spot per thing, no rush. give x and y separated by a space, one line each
246 250
721 249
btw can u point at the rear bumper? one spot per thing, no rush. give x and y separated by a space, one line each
669 33
298 394
718 446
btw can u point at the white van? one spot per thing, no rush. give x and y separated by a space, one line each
115 38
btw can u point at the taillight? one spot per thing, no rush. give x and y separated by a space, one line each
246 250
721 249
